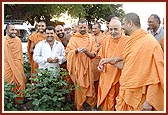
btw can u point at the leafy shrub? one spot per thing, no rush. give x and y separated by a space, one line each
9 97
49 92
27 67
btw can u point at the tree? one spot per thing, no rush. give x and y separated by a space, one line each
31 12
36 12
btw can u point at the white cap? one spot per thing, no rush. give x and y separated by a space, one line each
67 26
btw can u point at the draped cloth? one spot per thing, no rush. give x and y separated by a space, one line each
106 32
35 38
162 43
13 63
143 73
79 68
95 61
109 78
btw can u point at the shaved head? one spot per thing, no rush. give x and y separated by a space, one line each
134 18
115 28
114 18
59 30
59 27
115 22
74 27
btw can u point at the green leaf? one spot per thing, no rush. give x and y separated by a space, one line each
55 98
36 102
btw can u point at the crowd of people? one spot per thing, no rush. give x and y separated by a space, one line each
120 69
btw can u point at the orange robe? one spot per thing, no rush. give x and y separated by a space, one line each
109 78
142 74
73 33
13 63
162 43
79 67
95 61
106 32
57 38
67 77
35 38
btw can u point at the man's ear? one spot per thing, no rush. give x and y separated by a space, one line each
130 24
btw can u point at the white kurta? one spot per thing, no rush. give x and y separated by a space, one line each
42 51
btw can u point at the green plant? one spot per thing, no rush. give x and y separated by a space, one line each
49 92
9 97
27 67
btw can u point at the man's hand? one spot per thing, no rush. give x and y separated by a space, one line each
85 50
100 67
80 50
55 60
114 60
50 60
32 45
104 61
31 50
146 106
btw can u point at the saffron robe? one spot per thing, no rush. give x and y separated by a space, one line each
95 61
142 74
79 68
13 63
109 77
162 43
35 38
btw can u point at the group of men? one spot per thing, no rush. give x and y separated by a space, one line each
121 69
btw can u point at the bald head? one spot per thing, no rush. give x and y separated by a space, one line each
134 18
74 24
41 26
114 18
59 31
58 27
115 22
115 28
74 27
130 23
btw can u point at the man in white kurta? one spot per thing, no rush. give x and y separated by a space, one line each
49 52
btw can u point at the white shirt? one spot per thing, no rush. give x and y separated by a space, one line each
159 33
42 51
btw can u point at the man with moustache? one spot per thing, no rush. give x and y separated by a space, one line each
142 64
155 27
13 61
62 35
64 39
49 52
99 37
79 52
32 41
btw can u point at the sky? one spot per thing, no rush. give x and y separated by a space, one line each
145 9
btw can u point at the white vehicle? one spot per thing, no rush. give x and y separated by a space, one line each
23 31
